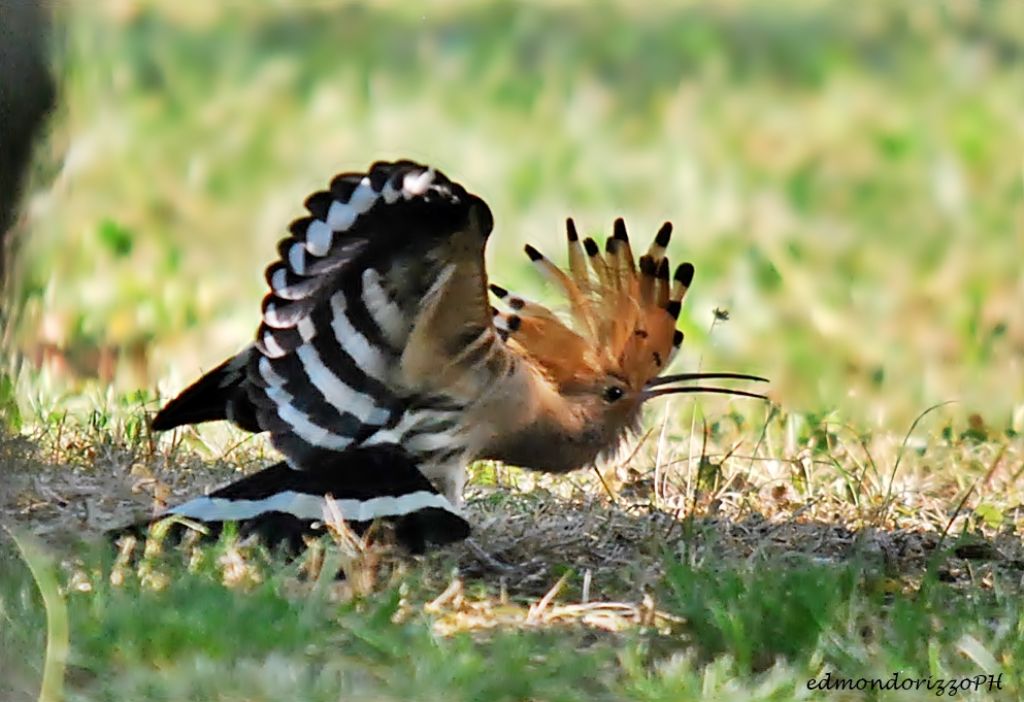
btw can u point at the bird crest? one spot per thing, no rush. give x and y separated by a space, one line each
622 312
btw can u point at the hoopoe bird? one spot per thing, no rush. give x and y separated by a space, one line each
381 370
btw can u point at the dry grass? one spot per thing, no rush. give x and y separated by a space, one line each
954 506
586 559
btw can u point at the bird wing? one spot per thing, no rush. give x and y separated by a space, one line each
378 304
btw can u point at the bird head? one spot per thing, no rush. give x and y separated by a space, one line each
607 358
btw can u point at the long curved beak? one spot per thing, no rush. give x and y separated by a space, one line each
652 388
682 377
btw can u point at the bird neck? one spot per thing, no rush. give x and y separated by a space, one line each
544 430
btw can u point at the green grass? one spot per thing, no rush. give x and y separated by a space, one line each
847 178
714 632
732 580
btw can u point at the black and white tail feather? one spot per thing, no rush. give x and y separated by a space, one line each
220 394
328 374
283 507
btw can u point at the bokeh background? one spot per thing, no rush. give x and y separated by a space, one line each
847 177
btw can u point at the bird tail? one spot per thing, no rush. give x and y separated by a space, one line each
283 507
220 394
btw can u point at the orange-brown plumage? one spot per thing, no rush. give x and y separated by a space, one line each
622 319
589 374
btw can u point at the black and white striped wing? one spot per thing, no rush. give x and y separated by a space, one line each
332 361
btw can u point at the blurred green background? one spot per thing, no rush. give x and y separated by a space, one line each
847 177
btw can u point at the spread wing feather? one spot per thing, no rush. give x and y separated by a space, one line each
377 309
372 292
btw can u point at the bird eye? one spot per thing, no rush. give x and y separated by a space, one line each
613 393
